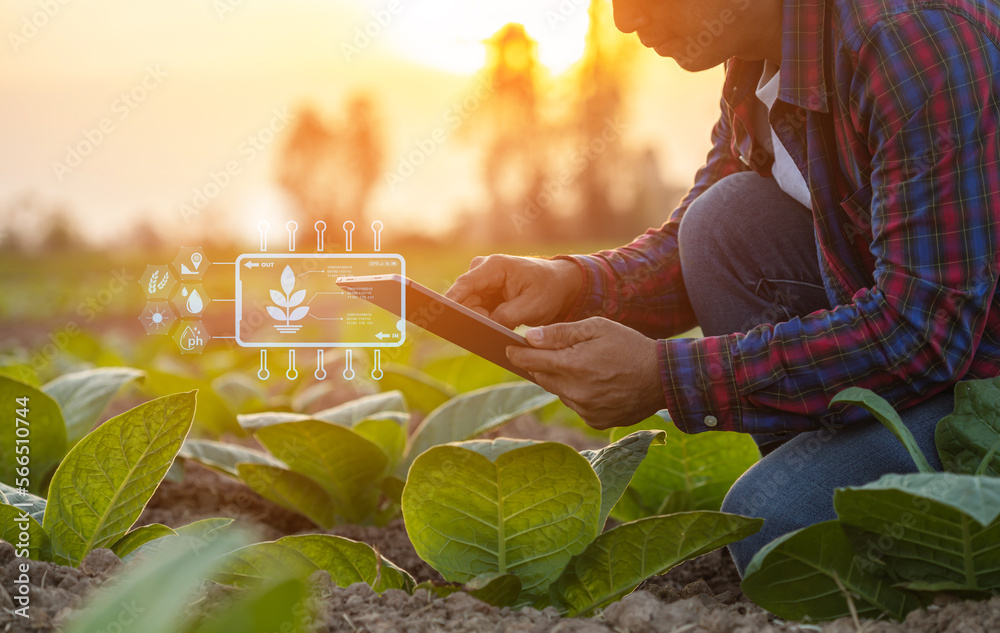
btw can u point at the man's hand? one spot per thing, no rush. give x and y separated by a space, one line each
518 290
606 372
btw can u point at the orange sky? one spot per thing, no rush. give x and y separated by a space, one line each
213 73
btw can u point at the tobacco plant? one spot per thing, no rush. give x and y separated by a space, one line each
899 540
101 487
535 510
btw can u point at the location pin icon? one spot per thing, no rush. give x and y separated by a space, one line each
196 260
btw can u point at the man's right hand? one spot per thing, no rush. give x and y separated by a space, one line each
519 290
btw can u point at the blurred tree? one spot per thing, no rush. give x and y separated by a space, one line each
518 141
603 80
330 169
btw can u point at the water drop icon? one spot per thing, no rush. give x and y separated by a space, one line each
194 303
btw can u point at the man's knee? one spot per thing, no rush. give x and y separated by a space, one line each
710 225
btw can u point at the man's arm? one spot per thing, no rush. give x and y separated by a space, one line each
640 284
921 77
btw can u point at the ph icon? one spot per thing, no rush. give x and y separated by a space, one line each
191 337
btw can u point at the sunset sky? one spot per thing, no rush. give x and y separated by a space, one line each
214 73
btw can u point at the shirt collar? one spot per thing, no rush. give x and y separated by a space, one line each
803 80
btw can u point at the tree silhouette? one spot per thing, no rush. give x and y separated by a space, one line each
330 168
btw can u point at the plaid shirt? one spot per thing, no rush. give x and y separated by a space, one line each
891 111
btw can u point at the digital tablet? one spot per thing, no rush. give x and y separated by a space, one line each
439 315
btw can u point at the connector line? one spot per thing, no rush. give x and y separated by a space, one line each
221 300
224 337
224 263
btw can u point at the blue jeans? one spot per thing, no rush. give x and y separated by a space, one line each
748 255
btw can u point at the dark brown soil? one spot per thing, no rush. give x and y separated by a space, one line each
53 591
713 574
205 494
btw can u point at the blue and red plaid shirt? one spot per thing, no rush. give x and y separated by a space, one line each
891 111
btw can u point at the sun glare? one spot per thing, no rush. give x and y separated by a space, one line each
449 35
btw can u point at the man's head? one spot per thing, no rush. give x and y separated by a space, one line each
701 34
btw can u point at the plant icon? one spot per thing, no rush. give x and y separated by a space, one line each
286 303
154 287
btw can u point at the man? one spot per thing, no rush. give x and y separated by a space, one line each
843 232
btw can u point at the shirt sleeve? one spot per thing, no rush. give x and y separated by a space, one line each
640 284
923 97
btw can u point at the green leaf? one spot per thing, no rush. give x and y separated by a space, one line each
155 595
883 411
224 457
84 395
197 533
965 436
102 486
618 560
616 463
291 490
256 421
41 424
688 472
139 537
350 413
276 606
21 373
927 528
474 413
799 576
345 464
16 525
526 512
387 434
205 528
500 590
421 391
33 505
347 562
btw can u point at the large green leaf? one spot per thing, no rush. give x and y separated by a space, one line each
43 432
689 472
213 413
616 463
83 396
223 456
525 512
472 414
291 490
809 574
965 436
928 528
256 421
422 392
32 504
103 484
883 411
345 464
156 595
618 560
347 562
18 528
19 372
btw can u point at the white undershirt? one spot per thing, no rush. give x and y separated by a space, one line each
785 172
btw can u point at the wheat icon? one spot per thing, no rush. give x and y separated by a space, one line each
153 287
287 306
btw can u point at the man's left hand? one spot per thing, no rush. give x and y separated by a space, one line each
606 372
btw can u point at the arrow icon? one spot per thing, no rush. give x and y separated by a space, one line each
381 336
252 264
